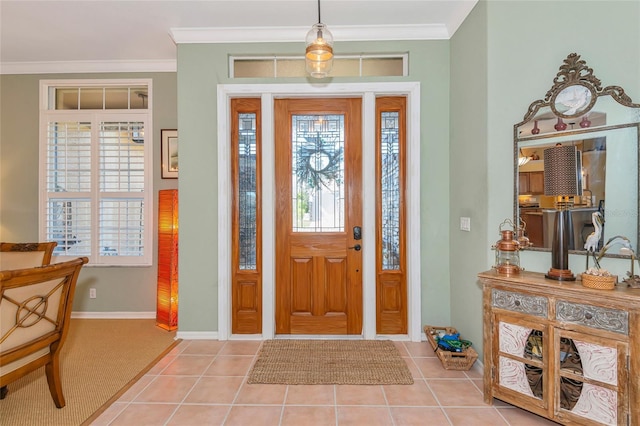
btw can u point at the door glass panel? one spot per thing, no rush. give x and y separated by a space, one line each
533 350
317 173
390 188
247 187
570 361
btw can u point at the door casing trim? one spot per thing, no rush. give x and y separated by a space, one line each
368 93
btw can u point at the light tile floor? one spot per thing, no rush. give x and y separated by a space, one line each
203 382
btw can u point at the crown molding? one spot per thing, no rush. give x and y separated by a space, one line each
297 34
86 67
230 35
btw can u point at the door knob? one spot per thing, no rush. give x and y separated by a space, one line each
357 247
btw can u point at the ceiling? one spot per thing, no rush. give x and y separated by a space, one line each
110 35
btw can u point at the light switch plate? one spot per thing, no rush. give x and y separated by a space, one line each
465 224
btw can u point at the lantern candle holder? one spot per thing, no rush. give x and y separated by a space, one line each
507 250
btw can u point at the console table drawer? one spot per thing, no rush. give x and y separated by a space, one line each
518 302
593 316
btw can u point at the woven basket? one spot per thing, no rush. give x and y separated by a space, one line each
599 282
450 360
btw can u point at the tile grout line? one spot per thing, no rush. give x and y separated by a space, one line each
335 404
244 381
284 400
435 397
386 400
133 398
179 404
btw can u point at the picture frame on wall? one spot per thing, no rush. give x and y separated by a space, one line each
169 153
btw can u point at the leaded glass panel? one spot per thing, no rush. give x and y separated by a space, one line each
247 190
390 190
317 157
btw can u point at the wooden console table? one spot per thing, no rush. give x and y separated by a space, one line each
561 350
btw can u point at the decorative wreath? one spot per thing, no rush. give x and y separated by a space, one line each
318 163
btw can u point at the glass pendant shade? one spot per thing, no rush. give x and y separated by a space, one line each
319 54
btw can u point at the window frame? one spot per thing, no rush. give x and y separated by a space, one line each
274 59
48 114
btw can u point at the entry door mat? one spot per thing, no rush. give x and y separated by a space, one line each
324 362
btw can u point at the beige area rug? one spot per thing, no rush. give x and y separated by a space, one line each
99 359
343 362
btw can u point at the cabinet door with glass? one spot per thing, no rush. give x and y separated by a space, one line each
521 362
591 377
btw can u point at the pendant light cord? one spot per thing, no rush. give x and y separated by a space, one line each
319 20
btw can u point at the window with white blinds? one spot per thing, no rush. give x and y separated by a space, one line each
96 180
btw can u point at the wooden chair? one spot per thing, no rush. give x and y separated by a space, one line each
25 255
35 307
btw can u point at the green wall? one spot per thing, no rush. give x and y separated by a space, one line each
130 289
200 68
511 50
468 178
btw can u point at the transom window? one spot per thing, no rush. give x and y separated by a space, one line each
392 65
96 174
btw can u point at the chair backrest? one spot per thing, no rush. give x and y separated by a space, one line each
35 307
25 255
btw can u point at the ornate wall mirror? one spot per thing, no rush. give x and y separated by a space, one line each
604 125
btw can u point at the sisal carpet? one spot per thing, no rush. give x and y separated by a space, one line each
315 362
99 358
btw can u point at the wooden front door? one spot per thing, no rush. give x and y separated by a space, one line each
318 161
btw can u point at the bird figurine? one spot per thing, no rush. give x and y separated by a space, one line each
593 240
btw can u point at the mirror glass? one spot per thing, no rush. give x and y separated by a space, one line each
604 125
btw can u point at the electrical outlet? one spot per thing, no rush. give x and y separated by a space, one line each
465 224
92 293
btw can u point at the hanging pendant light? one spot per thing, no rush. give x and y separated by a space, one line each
319 54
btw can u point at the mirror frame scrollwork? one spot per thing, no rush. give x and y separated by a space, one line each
574 93
574 71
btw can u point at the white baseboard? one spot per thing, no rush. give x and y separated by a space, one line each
114 315
197 335
214 335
